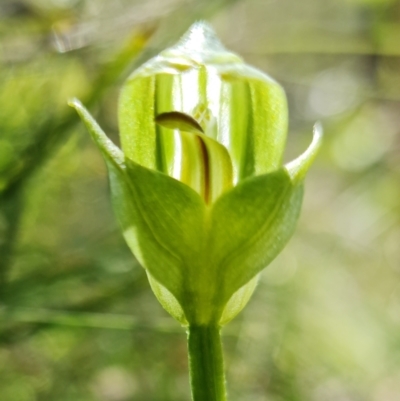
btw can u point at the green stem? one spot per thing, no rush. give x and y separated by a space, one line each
206 363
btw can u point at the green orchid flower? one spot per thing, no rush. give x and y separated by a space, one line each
199 187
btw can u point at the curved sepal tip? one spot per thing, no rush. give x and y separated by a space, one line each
297 168
110 151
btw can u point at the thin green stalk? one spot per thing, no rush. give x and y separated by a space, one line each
206 363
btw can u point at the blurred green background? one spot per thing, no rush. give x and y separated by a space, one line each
78 321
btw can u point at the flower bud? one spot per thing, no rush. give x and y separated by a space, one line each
198 187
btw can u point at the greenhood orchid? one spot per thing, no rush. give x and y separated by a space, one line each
198 187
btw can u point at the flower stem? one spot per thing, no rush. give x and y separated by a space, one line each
206 363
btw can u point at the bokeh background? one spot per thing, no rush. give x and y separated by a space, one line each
78 321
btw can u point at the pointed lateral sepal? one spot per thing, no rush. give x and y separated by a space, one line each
250 225
111 153
297 168
162 219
